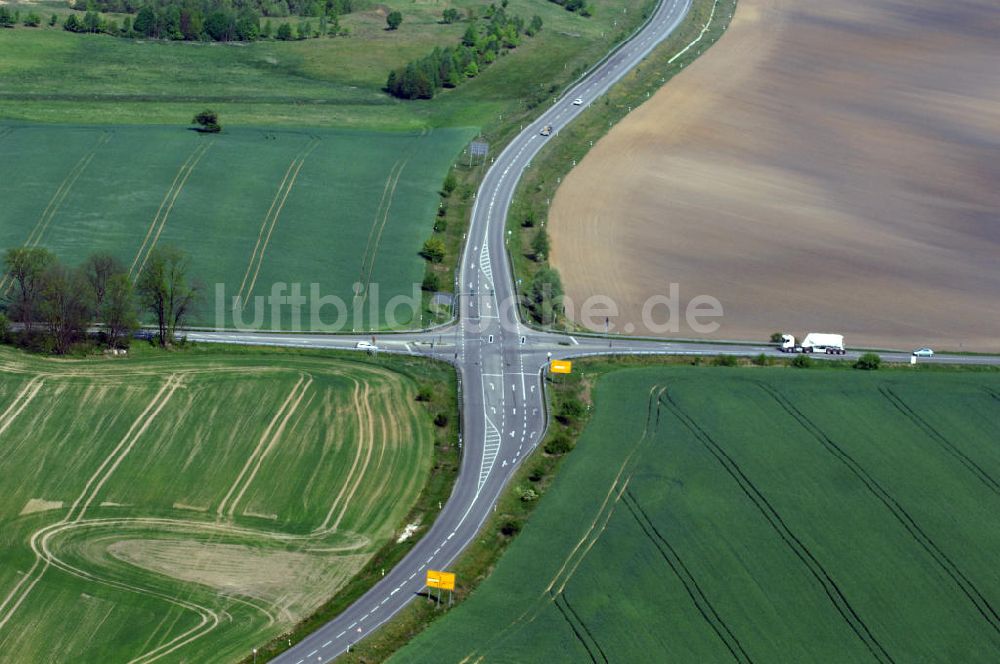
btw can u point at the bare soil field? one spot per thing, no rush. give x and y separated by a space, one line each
829 165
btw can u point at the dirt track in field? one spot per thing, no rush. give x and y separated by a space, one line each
829 165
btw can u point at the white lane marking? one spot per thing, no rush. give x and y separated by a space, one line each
312 653
326 644
341 634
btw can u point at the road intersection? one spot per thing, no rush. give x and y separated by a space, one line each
500 361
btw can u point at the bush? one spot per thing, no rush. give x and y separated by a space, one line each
802 362
725 361
868 362
425 394
510 527
570 410
430 283
450 182
528 495
560 444
393 20
433 250
776 337
4 329
441 420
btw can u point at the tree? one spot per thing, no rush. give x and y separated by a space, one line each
6 18
4 329
118 310
165 290
144 23
285 32
433 250
776 337
545 295
98 270
248 26
53 20
72 23
451 15
26 267
63 306
32 20
127 26
393 20
868 362
471 36
540 246
450 182
92 22
207 121
535 26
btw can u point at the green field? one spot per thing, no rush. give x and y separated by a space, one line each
765 515
49 75
251 207
187 507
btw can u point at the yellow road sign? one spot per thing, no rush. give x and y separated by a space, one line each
442 580
560 366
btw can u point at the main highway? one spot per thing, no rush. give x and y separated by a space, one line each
500 361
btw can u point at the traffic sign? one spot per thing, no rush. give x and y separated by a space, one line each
442 580
560 366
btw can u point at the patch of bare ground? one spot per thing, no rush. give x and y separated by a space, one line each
829 165
295 583
39 505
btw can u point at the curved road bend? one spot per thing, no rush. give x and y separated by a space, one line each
502 410
498 359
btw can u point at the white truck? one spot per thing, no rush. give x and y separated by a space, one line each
814 342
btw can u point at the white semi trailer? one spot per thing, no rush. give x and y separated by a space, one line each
814 342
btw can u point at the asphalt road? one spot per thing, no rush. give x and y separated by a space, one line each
500 362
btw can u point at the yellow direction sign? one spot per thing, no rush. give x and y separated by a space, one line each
442 580
560 366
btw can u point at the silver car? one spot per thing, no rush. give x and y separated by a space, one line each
923 352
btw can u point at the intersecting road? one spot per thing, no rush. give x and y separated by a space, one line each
500 361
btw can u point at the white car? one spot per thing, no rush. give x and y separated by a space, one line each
364 345
923 352
578 101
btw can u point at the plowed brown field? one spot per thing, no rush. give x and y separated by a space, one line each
829 165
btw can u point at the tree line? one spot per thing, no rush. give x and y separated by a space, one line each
280 8
210 20
482 43
56 306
